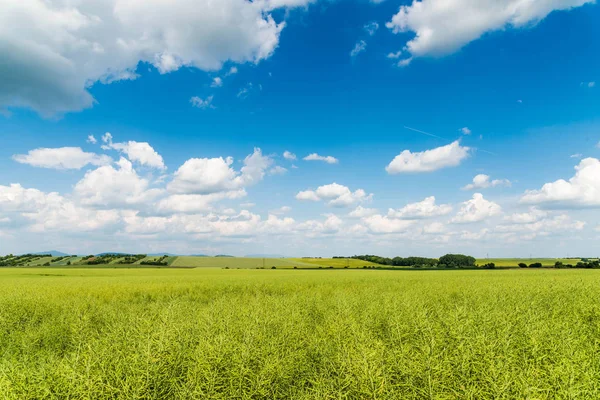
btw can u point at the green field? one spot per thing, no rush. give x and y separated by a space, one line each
242 262
298 334
514 262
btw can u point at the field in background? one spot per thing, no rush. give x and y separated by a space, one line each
514 262
310 334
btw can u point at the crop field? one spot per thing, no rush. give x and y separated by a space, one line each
242 262
298 334
514 262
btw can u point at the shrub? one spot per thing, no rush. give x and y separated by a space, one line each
522 265
535 265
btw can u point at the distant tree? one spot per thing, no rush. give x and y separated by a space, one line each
489 266
535 265
522 265
457 261
559 264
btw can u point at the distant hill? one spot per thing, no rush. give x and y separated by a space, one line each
162 254
53 253
111 253
223 255
264 256
198 255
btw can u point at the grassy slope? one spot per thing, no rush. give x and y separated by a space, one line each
205 333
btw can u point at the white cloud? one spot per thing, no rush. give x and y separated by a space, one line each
317 157
61 158
483 181
289 155
588 84
281 210
91 139
533 215
278 170
582 190
55 50
217 82
371 28
543 225
362 212
434 228
381 224
465 131
139 152
359 47
108 186
43 212
212 175
424 209
232 71
443 27
475 210
577 155
193 203
429 160
331 225
395 56
202 103
335 195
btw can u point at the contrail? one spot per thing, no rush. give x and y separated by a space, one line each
424 133
439 137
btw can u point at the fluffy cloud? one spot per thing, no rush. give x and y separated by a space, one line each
582 190
331 225
362 212
91 139
533 215
335 195
139 152
68 46
371 28
61 158
213 175
317 157
111 187
443 27
543 225
289 155
194 203
217 82
483 181
465 131
42 211
424 209
381 224
429 160
475 210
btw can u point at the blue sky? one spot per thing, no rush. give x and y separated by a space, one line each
409 100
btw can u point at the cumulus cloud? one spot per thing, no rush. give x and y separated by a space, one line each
483 181
212 175
465 131
382 224
91 139
289 155
541 225
582 190
533 215
111 187
68 46
61 158
424 209
42 212
217 82
335 195
444 27
429 160
278 170
139 152
194 203
475 210
362 212
317 157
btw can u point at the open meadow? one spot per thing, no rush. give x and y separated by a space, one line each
298 334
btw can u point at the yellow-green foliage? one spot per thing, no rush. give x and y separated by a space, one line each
298 334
